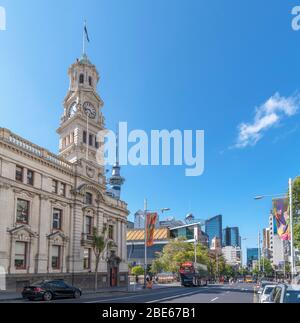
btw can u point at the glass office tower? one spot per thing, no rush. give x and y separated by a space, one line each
213 228
231 237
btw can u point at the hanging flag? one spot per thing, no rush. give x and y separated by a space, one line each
151 223
86 33
281 216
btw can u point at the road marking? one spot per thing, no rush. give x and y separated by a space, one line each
213 300
171 297
111 299
127 297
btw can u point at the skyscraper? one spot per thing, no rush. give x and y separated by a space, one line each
231 237
252 255
213 228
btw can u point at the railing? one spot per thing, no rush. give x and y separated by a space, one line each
20 142
24 144
56 160
115 202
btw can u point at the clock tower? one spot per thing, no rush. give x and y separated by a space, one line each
82 118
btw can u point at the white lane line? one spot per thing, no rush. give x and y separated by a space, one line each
171 297
112 299
213 300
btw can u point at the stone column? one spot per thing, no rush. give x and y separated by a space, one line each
124 240
77 251
42 251
6 220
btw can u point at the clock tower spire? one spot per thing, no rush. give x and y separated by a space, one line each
82 117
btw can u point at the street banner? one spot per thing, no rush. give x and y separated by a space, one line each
282 219
151 223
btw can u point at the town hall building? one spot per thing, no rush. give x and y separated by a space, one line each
50 204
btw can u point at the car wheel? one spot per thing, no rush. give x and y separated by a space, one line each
47 297
77 294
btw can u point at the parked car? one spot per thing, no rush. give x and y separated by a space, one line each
266 293
50 289
261 286
283 293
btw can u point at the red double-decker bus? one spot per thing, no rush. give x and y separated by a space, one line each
193 274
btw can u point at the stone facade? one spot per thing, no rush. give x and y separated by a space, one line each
50 204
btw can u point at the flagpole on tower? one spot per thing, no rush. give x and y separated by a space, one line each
86 38
83 40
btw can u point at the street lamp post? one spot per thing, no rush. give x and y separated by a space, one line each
291 221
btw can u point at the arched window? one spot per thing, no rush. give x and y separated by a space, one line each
90 81
81 78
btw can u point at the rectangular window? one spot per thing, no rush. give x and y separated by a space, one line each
54 186
84 137
30 177
19 174
111 232
55 257
88 225
91 140
57 219
88 198
20 255
62 189
97 145
22 211
87 259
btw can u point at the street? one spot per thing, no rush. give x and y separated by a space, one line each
237 293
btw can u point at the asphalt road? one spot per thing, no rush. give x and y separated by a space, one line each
238 293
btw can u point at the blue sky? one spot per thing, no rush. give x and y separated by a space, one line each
169 64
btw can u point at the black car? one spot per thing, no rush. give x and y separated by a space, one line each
49 289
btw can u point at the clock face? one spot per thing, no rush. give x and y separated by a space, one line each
72 109
89 110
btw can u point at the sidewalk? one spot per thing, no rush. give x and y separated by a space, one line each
16 296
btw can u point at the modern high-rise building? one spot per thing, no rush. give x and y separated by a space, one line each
139 222
279 250
213 228
231 237
252 256
232 255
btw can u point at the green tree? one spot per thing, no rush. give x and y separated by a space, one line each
296 211
228 271
100 244
157 265
266 268
244 271
137 271
179 251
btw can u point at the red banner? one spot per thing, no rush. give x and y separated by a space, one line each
151 223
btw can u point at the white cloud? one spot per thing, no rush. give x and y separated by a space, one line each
267 116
